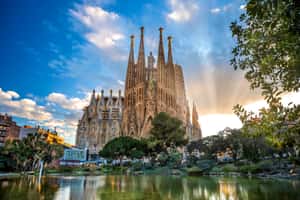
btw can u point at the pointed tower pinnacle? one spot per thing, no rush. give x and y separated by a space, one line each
130 67
93 97
195 121
170 56
141 59
161 57
170 67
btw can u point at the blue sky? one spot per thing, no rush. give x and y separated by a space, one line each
53 53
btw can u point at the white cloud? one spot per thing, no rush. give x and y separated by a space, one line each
293 97
104 28
73 104
25 108
8 94
65 122
222 9
121 82
182 10
243 7
215 10
213 123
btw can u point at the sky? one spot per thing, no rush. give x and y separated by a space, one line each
54 53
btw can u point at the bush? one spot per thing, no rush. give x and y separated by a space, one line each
136 154
162 159
205 164
194 171
265 165
174 159
252 168
229 168
137 166
241 163
148 166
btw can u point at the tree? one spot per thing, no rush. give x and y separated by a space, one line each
241 145
166 131
124 146
278 124
268 50
268 46
26 154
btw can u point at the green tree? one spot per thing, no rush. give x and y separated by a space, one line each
26 154
166 132
124 146
268 46
268 50
242 146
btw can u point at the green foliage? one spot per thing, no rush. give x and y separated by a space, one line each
166 131
278 124
252 168
136 154
174 159
268 46
162 158
242 146
194 171
124 146
268 50
205 164
137 166
229 168
27 153
265 165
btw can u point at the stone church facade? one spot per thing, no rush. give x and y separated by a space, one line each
153 88
150 87
101 121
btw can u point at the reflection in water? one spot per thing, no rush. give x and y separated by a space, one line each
147 188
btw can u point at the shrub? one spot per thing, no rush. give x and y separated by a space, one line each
174 159
229 168
136 154
216 169
137 166
265 165
194 171
162 158
205 164
252 168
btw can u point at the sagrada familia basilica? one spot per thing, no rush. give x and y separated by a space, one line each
150 88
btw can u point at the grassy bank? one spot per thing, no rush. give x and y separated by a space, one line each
263 169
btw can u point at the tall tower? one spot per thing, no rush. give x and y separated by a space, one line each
129 114
196 132
140 85
140 68
170 90
152 89
161 73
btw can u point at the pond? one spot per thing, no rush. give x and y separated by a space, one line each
147 188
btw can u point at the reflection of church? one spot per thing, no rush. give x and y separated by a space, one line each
150 88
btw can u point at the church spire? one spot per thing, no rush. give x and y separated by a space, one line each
130 68
141 59
161 56
93 97
195 121
170 67
170 56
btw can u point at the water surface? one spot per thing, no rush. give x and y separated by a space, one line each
147 188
